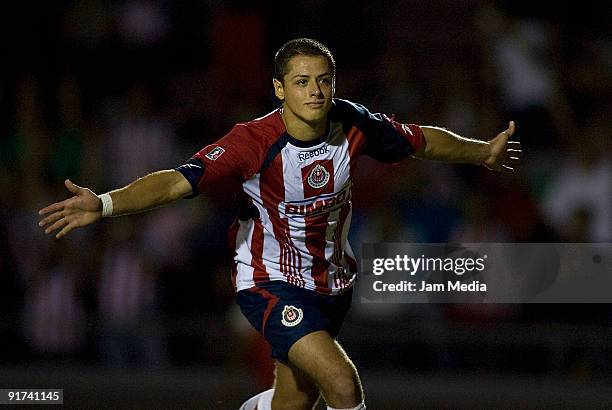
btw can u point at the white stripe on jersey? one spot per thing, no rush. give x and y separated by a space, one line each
243 258
299 269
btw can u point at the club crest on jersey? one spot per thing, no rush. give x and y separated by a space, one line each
291 316
318 176
215 153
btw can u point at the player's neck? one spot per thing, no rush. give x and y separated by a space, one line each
302 130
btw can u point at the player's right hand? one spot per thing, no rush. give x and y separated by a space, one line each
82 209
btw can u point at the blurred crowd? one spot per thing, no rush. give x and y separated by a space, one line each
103 92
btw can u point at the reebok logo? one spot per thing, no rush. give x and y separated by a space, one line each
303 156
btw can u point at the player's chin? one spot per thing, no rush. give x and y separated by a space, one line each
316 119
317 114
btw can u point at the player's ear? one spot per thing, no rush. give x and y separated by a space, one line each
279 91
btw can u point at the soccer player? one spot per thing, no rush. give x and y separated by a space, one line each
293 268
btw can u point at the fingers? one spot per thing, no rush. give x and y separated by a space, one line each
55 216
66 229
61 220
58 206
51 218
511 128
68 214
57 225
72 187
512 160
509 131
505 154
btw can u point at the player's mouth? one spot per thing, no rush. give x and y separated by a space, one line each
316 104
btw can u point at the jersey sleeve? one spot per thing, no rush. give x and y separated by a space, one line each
386 140
221 167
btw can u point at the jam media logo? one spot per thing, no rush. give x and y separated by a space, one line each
291 316
215 153
318 177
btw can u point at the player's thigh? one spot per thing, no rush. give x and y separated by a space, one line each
320 357
293 389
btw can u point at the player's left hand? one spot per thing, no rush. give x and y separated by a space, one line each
504 155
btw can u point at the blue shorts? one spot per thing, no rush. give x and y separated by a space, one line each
284 313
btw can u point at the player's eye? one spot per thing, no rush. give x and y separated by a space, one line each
301 82
326 81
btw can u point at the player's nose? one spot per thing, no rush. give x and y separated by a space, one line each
316 91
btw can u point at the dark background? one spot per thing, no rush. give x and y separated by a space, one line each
138 311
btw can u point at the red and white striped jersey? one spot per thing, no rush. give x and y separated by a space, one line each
295 196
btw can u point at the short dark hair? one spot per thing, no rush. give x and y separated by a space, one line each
303 46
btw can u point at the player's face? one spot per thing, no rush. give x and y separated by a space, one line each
307 89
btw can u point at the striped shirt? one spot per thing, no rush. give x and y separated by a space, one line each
295 196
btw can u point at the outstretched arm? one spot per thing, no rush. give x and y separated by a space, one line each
85 207
497 154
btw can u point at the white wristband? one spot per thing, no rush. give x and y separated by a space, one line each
107 205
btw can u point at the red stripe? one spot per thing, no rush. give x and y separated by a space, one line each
272 301
316 231
316 226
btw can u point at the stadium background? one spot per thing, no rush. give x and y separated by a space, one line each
138 312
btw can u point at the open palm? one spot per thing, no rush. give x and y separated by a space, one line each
82 209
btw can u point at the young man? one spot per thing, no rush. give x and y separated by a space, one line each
293 268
